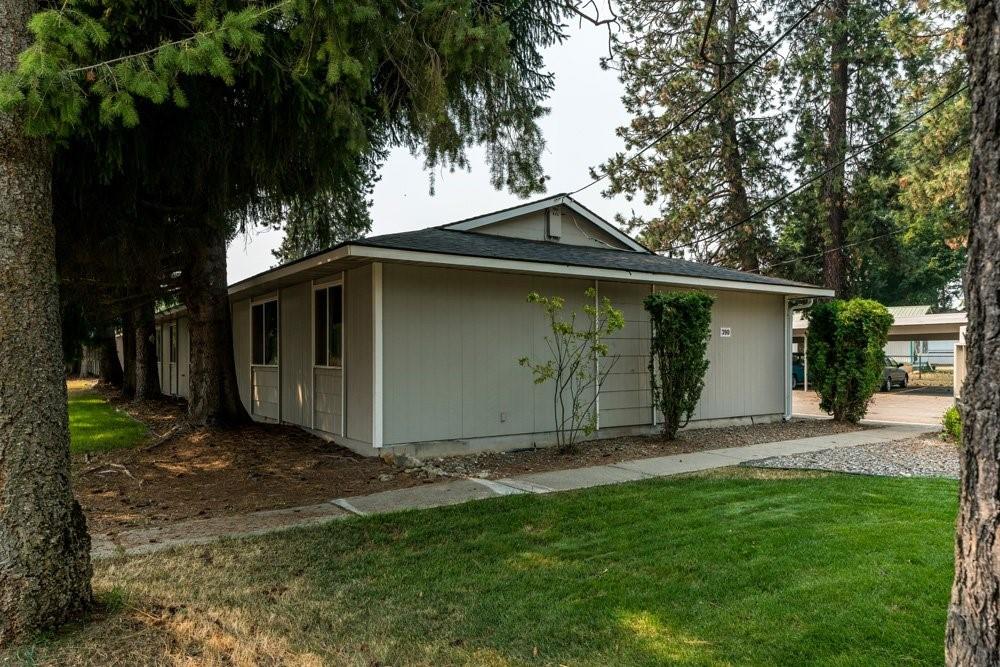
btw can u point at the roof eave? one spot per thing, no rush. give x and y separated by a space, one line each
376 253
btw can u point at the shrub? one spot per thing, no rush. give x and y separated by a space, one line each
846 341
576 378
681 329
952 422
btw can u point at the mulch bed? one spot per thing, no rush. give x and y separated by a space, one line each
206 472
615 450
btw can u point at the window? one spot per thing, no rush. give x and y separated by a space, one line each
173 344
329 326
264 333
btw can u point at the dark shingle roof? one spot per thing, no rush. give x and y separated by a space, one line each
475 244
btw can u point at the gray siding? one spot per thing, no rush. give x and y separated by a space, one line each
241 348
575 230
358 352
183 358
746 372
295 340
174 377
329 400
452 339
626 399
451 343
265 392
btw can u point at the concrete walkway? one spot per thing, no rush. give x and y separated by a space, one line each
202 531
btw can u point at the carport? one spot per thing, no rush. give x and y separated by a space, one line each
933 326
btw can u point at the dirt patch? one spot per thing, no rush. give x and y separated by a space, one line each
600 452
208 472
212 472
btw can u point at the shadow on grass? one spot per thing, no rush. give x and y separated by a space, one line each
833 569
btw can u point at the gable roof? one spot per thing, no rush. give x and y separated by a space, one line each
562 199
473 244
448 247
908 311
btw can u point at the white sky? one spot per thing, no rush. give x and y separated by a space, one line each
579 132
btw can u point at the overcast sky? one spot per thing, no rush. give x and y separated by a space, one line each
579 132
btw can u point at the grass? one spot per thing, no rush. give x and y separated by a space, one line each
95 426
776 568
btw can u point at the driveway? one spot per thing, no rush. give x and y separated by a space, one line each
916 405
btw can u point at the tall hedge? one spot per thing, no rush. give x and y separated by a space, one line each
681 329
846 354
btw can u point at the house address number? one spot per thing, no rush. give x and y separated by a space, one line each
726 332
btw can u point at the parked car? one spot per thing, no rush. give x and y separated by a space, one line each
798 371
894 375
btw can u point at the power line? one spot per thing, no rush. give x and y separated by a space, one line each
820 175
688 116
829 250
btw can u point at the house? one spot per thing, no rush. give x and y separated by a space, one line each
411 340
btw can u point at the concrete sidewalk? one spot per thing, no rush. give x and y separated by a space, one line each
464 490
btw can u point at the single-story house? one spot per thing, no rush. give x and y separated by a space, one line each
411 340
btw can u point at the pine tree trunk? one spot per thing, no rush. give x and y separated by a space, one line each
834 260
111 365
973 636
147 379
214 394
128 355
747 238
44 547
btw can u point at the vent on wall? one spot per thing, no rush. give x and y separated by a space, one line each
553 223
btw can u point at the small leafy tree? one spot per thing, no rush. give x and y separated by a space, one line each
681 330
575 365
846 342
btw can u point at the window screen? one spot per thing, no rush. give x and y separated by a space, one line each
321 327
329 332
271 333
264 333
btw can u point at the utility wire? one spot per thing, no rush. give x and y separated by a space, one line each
816 177
688 116
829 250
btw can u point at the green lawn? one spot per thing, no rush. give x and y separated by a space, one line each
719 569
95 426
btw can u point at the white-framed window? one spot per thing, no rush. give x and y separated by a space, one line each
264 333
173 343
328 326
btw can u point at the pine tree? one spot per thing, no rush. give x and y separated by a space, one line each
44 547
205 115
714 170
840 77
297 96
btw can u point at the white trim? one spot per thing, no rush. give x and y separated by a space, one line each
260 302
565 270
652 402
787 363
329 282
597 361
377 354
325 286
288 270
558 200
517 266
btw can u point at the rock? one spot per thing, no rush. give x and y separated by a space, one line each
407 461
385 477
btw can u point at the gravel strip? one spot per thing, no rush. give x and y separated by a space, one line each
917 457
